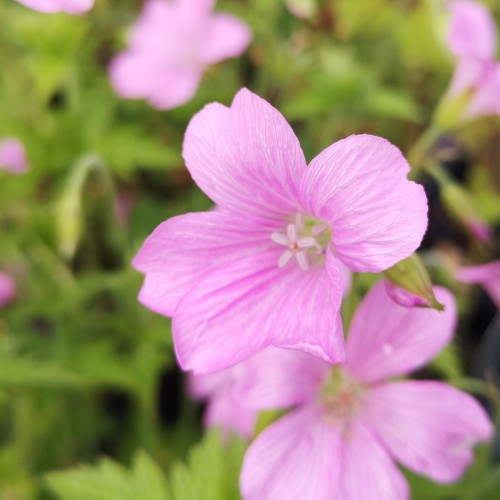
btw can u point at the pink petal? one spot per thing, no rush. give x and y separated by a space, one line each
487 275
280 378
227 37
367 471
184 248
387 339
134 75
7 289
245 157
297 457
230 415
50 6
243 306
468 74
271 379
472 30
486 98
359 185
13 156
428 426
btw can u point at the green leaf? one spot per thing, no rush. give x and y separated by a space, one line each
211 472
109 480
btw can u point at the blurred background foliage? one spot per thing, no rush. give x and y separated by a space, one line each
92 405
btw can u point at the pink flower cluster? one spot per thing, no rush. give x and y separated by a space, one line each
13 156
265 270
472 38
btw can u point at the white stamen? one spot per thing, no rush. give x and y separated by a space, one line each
280 239
292 233
302 260
285 258
307 242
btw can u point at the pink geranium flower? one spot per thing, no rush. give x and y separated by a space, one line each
264 267
472 39
51 6
13 156
350 424
170 47
7 289
487 275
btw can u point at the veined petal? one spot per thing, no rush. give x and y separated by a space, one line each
243 306
184 248
226 37
430 427
367 471
387 339
472 30
297 457
245 157
359 186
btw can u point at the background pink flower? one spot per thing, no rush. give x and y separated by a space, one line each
342 440
13 156
472 39
7 289
236 395
170 46
51 6
263 268
487 275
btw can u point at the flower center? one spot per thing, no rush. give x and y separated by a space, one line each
341 399
305 241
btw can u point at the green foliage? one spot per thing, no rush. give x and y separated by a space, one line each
211 473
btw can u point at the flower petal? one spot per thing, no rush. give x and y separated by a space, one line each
295 458
51 6
279 378
13 156
359 186
472 30
184 248
135 76
367 471
245 157
387 339
487 275
246 305
428 426
227 37
230 415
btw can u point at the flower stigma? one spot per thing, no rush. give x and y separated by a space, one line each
341 399
306 241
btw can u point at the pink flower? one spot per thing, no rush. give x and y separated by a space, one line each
349 427
487 275
472 39
51 6
7 289
13 156
171 45
263 267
